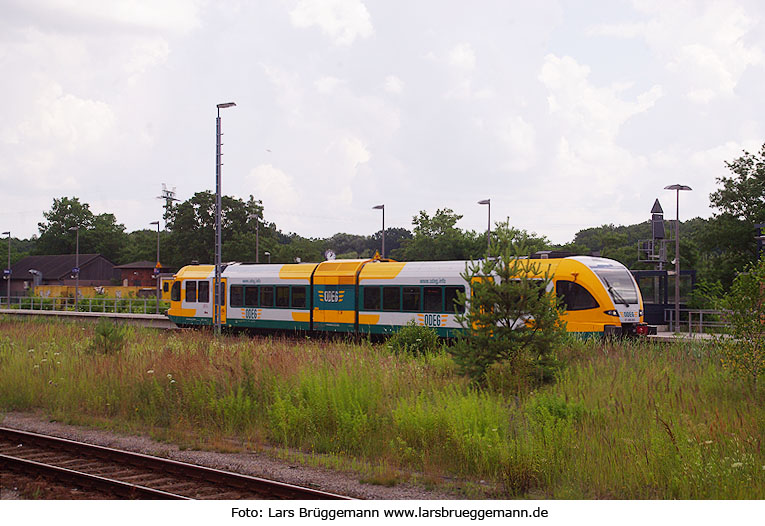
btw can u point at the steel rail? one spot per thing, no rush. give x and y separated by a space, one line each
79 478
254 485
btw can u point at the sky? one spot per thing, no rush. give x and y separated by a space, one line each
566 114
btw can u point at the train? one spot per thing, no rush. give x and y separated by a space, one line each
379 296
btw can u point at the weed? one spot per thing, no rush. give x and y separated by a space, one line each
415 340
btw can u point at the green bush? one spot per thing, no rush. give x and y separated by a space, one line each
744 354
109 337
415 340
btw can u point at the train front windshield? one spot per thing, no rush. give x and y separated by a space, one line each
619 284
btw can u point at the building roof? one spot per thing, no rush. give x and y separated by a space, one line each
51 267
137 264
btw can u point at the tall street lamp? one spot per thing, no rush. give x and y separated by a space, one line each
8 270
382 207
488 230
677 188
157 266
267 253
257 235
76 269
218 294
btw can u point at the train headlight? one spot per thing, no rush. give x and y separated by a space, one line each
611 312
640 313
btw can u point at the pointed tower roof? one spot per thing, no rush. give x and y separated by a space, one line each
657 208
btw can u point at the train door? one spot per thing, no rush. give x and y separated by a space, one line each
222 299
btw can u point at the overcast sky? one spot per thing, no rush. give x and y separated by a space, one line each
566 114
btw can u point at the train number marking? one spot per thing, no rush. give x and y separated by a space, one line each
251 314
432 320
331 296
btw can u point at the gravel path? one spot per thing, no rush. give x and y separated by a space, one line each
258 464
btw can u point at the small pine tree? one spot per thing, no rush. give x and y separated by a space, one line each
510 317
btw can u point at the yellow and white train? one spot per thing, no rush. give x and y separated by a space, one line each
377 296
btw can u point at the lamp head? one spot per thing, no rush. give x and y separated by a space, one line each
378 207
678 187
226 105
484 202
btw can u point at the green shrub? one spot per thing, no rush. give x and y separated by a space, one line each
744 354
109 337
415 340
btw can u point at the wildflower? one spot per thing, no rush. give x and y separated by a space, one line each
169 376
31 351
737 464
707 442
150 371
172 381
56 354
43 360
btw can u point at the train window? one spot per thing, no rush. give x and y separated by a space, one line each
450 299
391 298
251 296
371 298
191 291
299 295
575 297
282 296
203 292
165 286
267 296
432 301
411 298
236 295
223 294
175 292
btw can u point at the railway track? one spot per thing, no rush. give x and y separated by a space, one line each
130 475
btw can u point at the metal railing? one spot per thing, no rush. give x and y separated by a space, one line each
103 305
699 319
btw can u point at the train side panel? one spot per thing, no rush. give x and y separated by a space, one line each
393 294
191 298
334 295
269 296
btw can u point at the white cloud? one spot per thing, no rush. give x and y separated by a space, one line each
593 112
275 188
145 54
394 85
707 45
342 20
128 15
327 84
61 119
518 139
462 56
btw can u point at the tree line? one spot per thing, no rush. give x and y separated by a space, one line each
718 247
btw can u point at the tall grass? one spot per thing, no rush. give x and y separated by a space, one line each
623 420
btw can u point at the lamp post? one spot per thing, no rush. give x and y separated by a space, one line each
488 230
217 295
158 266
382 207
677 188
267 253
257 236
8 272
76 269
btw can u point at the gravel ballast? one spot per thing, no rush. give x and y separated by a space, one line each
258 464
